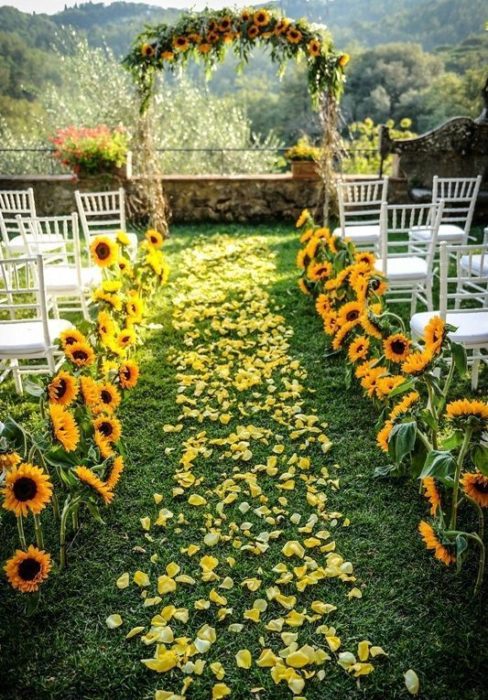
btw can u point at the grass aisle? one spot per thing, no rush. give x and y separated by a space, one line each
244 396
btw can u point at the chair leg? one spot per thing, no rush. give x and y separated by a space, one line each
475 374
428 294
14 365
84 306
413 303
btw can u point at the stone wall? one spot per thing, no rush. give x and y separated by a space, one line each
195 198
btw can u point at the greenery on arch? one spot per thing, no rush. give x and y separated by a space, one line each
208 35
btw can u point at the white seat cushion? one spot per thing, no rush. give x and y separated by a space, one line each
404 269
448 233
361 233
47 242
475 264
472 327
62 278
26 339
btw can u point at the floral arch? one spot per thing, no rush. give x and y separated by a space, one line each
207 36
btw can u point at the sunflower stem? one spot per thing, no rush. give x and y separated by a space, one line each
457 475
425 440
20 530
38 531
62 534
447 386
481 565
400 320
431 406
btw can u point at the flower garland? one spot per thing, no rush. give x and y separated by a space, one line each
207 35
79 444
425 436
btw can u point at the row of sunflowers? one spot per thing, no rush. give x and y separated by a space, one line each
425 435
73 457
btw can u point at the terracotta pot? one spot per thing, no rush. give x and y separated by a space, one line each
304 169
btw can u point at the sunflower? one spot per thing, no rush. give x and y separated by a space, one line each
112 300
89 478
322 304
367 258
27 570
378 285
115 472
337 281
195 37
108 427
404 405
109 397
387 384
358 349
104 251
128 374
71 337
154 238
204 48
27 488
432 494
363 368
106 324
312 246
396 347
434 334
306 235
246 15
90 392
370 381
148 50
475 486
225 24
300 259
303 218
111 286
65 428
181 43
330 322
261 18
122 238
333 242
431 541
282 26
314 48
417 362
303 287
63 389
383 436
104 446
125 266
167 56
294 36
229 37
80 354
341 334
343 60
135 307
253 31
126 337
319 270
9 460
349 312
463 408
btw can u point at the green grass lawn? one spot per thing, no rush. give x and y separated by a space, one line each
422 614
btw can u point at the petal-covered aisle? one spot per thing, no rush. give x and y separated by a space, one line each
244 588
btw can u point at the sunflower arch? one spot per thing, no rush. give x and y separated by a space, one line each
207 36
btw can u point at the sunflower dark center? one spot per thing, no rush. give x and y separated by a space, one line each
61 388
25 489
28 569
106 396
352 315
80 355
70 340
398 347
375 284
126 373
103 251
481 486
105 428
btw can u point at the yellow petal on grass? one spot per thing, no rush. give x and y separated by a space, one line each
355 593
134 632
363 650
166 585
113 621
172 569
293 548
412 682
218 670
220 690
146 523
123 581
377 651
163 663
244 658
196 500
141 579
208 563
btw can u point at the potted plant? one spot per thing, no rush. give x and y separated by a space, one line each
91 151
303 157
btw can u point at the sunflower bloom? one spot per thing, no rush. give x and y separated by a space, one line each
330 323
261 18
109 397
349 312
431 541
384 435
396 347
341 334
358 349
27 570
9 460
128 374
463 409
314 48
103 445
27 488
115 472
417 362
104 251
108 427
303 287
63 389
370 328
432 494
71 337
89 478
90 392
404 405
294 36
65 428
434 334
475 486
154 238
322 304
370 381
319 271
126 338
386 385
306 235
80 354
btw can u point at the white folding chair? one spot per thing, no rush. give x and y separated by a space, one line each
103 214
472 322
409 275
67 282
359 211
26 331
474 265
14 203
459 195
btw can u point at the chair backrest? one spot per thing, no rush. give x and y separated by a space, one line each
469 280
459 195
360 201
56 238
101 212
22 282
12 204
396 222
